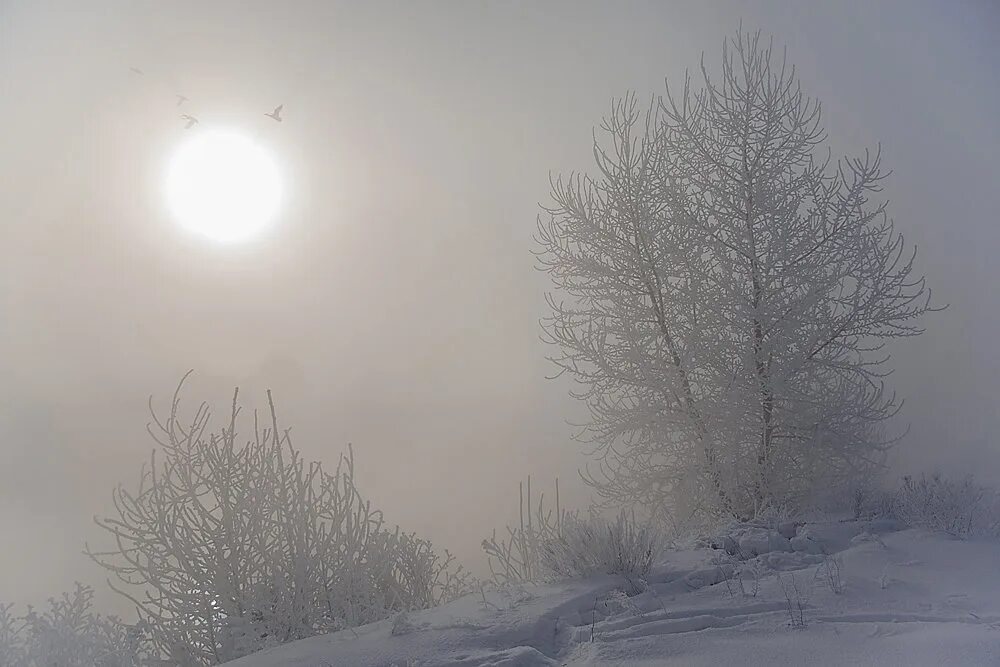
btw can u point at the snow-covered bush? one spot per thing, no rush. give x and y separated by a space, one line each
595 545
69 634
959 508
517 558
741 576
231 545
549 545
11 637
831 572
796 599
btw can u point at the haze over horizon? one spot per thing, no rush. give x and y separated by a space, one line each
394 305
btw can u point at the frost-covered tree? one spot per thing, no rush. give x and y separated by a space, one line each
11 637
68 633
230 545
726 290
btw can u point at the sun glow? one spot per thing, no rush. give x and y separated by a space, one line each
223 185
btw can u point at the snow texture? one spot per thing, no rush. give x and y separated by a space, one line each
905 598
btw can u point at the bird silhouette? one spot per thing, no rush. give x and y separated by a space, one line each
136 70
181 99
191 121
276 114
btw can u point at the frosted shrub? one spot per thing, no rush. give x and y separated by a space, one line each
231 545
550 545
740 575
596 545
11 637
68 634
796 600
517 558
961 509
831 571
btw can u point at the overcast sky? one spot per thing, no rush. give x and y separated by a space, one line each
394 305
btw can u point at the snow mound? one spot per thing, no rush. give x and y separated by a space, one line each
870 595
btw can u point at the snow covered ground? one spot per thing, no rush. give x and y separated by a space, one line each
885 597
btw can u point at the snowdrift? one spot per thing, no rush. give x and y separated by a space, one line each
832 593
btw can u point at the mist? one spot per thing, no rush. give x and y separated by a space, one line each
394 304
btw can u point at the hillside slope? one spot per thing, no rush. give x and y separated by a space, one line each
885 597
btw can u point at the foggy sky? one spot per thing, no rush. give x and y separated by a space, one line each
394 304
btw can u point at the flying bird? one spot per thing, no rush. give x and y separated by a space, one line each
136 70
276 114
191 121
181 99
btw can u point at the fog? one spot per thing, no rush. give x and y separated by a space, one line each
395 305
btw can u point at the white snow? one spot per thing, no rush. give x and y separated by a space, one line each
906 598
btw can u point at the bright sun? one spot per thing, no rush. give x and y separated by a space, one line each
223 185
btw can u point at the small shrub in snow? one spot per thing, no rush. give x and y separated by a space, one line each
860 501
830 570
550 546
867 501
69 634
517 558
596 545
961 509
231 545
742 577
11 637
795 600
